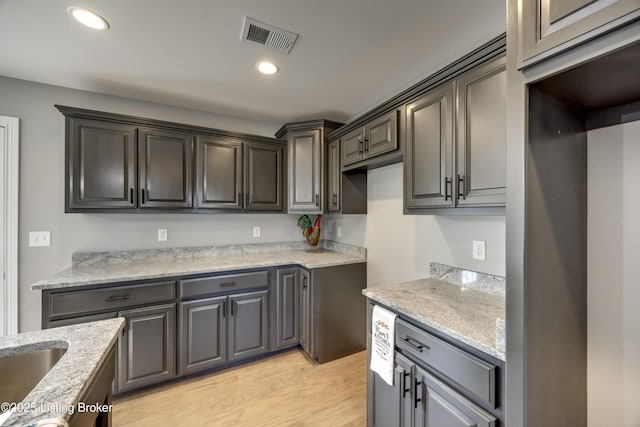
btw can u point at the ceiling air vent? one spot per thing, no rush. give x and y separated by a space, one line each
267 35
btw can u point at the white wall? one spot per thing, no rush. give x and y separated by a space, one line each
400 247
613 373
42 190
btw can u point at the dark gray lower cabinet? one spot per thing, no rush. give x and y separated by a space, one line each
437 404
287 302
248 332
332 311
419 398
391 405
147 348
203 334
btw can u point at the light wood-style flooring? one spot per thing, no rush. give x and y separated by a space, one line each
287 389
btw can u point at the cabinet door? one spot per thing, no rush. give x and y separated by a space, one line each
203 334
305 171
551 26
306 312
436 404
333 176
287 307
391 405
101 165
264 177
165 168
147 347
429 149
352 146
247 324
481 140
381 135
218 173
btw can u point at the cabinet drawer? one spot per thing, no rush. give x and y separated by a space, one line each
81 319
468 371
112 298
228 283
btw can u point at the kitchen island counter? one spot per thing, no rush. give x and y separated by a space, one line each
87 347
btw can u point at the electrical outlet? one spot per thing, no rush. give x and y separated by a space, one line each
256 231
39 238
162 234
479 250
339 231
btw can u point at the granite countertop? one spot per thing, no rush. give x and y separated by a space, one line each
87 347
467 306
109 267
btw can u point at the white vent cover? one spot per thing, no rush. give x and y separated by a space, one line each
267 35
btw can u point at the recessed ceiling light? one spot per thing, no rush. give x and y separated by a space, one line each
88 18
267 67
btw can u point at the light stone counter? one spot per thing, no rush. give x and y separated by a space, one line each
110 267
87 348
465 305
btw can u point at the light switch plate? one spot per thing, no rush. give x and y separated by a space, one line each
339 231
256 231
162 234
39 238
479 250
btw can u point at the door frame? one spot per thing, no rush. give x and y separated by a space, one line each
10 126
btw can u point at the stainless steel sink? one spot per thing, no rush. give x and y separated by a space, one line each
20 373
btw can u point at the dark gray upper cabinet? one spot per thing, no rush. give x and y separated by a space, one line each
307 165
218 173
549 27
248 328
287 307
428 160
470 170
481 140
116 162
352 145
202 327
333 176
264 169
306 174
379 136
147 348
165 174
101 165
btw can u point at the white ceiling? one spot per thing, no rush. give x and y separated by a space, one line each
350 56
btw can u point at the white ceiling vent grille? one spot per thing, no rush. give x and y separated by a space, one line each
267 35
